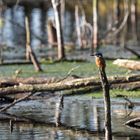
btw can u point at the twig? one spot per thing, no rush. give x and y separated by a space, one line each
16 101
69 73
71 70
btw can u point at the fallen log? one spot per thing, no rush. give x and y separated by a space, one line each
129 64
5 82
92 82
133 123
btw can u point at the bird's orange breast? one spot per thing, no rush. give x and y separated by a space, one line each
100 62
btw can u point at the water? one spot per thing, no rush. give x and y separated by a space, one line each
79 112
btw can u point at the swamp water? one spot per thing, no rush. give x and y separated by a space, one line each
79 112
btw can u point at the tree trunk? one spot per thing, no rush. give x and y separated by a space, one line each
29 49
133 20
60 41
78 30
95 26
51 30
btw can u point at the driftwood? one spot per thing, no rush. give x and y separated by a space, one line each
133 123
68 84
130 64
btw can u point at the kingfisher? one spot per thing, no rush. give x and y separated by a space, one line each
99 60
100 63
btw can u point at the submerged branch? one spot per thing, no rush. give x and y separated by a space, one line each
16 101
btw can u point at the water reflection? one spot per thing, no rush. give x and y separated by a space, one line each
78 112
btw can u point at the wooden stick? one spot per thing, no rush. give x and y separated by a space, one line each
106 95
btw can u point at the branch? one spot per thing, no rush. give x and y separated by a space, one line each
135 52
110 34
16 101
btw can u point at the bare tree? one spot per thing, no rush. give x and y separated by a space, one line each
57 12
78 30
133 19
95 26
29 49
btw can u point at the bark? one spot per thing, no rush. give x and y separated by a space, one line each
130 64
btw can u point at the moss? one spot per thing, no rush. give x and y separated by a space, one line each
114 93
61 69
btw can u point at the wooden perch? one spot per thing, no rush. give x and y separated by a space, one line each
130 64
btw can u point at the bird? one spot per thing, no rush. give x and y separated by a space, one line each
99 60
100 63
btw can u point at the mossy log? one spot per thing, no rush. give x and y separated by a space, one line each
39 85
